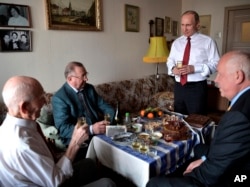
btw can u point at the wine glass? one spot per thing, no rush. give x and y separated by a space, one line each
80 122
107 117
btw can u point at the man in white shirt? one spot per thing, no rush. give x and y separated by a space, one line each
203 59
25 157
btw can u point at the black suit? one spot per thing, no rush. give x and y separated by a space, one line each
227 156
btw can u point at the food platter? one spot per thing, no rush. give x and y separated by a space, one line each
124 139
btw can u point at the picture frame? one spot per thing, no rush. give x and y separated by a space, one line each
14 15
132 18
175 28
15 40
159 26
74 15
168 25
205 24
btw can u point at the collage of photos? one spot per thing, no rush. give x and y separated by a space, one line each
12 39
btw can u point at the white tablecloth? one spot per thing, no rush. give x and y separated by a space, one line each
136 166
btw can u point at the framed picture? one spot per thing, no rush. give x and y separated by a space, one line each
175 28
74 15
159 26
168 25
15 40
13 15
205 22
132 14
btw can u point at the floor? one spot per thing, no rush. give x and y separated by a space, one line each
118 179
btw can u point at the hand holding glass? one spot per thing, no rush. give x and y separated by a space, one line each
80 122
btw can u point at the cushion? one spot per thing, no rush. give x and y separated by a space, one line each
164 100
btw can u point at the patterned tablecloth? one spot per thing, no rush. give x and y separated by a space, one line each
140 167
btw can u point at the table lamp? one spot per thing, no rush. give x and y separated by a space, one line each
157 52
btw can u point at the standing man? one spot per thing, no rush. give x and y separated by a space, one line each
226 161
25 156
78 98
199 60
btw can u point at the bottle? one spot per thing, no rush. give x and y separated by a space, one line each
117 120
127 120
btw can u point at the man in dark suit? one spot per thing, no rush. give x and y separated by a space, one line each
226 162
77 98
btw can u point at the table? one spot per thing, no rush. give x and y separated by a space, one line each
137 167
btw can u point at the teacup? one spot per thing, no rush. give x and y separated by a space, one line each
137 127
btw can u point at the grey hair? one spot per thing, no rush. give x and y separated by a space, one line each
71 67
195 14
241 61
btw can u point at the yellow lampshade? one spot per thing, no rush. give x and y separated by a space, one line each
158 51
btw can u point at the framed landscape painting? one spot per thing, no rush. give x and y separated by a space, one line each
13 15
15 40
82 15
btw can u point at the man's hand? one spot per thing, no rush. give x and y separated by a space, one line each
185 69
193 165
100 127
80 134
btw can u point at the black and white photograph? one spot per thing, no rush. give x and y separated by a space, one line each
15 41
13 15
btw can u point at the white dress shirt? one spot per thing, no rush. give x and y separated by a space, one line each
204 56
25 159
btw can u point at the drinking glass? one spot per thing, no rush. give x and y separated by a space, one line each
80 122
107 117
179 64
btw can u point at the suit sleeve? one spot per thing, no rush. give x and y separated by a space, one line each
229 149
62 117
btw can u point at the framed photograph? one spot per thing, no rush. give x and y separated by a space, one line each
74 15
168 25
15 40
175 28
159 26
13 15
132 14
205 22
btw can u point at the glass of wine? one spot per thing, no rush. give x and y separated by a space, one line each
80 122
107 117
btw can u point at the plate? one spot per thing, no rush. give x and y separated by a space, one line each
124 139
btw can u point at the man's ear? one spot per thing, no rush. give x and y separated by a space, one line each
24 107
240 76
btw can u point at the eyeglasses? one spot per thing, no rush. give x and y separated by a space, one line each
84 76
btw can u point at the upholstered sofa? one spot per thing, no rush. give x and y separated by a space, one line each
132 95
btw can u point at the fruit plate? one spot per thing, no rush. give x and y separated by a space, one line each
124 139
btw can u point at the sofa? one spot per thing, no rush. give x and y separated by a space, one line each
132 95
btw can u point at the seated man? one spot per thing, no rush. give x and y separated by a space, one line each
77 98
25 156
227 159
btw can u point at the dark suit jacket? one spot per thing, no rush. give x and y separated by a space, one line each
67 108
229 152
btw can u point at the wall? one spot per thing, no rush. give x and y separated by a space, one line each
109 55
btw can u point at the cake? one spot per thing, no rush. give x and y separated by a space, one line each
197 120
174 130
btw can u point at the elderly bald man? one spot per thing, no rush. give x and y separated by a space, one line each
25 158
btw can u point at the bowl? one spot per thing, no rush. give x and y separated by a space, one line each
156 135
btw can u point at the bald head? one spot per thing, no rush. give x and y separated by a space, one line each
19 93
